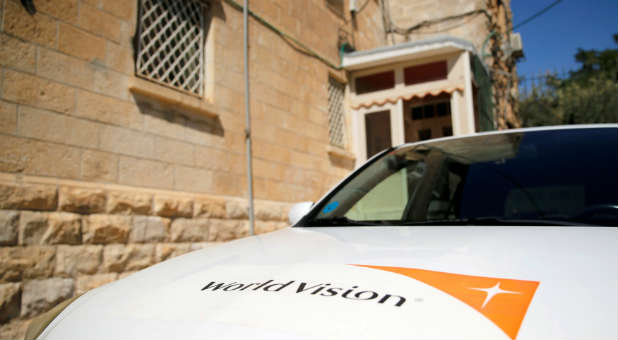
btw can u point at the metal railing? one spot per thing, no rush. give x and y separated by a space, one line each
336 93
171 43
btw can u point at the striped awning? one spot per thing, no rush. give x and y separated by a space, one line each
419 95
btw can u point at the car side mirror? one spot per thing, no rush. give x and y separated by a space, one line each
298 210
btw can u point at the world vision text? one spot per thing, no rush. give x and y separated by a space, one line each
320 289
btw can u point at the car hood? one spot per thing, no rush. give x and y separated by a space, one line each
368 282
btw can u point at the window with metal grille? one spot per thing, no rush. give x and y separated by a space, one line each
170 44
336 91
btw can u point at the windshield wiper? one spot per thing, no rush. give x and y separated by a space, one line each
497 221
341 222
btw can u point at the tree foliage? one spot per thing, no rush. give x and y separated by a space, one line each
588 95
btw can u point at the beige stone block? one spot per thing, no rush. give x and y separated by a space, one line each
63 228
120 258
236 209
28 197
81 200
15 329
125 141
10 301
8 116
34 158
80 43
104 229
9 225
39 296
209 208
170 206
129 203
16 53
32 227
173 151
123 9
229 184
63 68
119 58
193 179
65 10
225 230
111 83
126 274
262 227
86 283
149 229
140 172
49 228
166 251
109 110
18 263
56 127
93 3
99 166
30 90
229 99
37 28
190 230
270 211
217 159
99 22
73 260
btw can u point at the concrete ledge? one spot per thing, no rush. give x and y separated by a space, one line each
172 98
334 151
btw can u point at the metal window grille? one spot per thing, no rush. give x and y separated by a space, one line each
336 92
171 43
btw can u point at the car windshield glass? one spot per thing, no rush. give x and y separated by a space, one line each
537 177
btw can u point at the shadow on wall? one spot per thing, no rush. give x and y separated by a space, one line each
185 119
341 162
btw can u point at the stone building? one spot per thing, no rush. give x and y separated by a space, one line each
122 127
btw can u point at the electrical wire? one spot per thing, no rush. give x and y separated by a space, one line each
405 31
286 37
362 7
537 14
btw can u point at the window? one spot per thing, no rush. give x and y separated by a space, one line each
375 82
377 132
336 92
170 44
424 73
427 118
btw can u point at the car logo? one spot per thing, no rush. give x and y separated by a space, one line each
503 301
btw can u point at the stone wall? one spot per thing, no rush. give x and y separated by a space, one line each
439 18
485 23
59 241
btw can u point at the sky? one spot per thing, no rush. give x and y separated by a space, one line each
551 40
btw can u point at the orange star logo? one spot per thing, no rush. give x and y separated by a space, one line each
503 301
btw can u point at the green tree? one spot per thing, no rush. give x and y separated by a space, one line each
588 95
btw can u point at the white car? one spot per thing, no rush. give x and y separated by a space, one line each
501 235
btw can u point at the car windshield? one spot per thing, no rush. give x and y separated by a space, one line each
548 177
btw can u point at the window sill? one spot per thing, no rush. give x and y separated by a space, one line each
172 98
334 151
